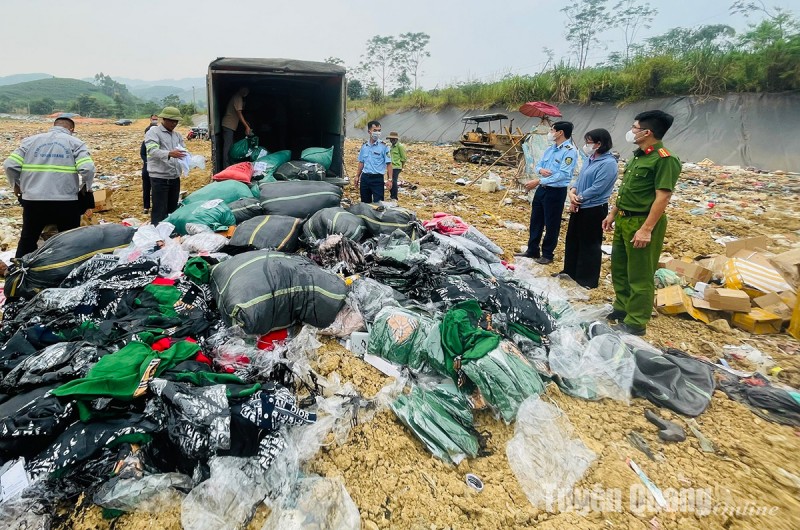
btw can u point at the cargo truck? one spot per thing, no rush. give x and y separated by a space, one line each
291 105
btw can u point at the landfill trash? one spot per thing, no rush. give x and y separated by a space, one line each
748 353
641 444
668 431
315 503
544 453
514 226
474 482
461 181
666 277
651 487
706 445
148 494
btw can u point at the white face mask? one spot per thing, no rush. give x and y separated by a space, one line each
551 136
630 137
589 149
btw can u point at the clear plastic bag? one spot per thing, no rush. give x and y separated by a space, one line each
172 258
603 369
315 503
573 315
26 513
347 321
149 494
204 242
371 296
228 499
545 454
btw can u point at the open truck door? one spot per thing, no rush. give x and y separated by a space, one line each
291 105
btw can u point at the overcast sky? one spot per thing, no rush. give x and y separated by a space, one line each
158 39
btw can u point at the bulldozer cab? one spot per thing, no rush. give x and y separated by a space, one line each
482 143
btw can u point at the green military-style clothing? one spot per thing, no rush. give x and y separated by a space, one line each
655 169
632 269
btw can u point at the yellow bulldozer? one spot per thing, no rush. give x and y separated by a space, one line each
482 144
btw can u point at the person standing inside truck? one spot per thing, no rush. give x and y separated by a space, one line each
231 120
639 222
374 166
45 172
398 153
165 148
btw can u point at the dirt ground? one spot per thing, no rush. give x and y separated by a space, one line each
396 483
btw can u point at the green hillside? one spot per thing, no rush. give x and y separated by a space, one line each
58 89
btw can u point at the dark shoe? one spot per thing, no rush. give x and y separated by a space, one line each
544 261
622 327
525 255
617 315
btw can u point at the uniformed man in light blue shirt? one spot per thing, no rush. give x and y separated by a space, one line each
555 170
374 166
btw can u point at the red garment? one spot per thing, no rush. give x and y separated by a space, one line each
267 342
447 224
243 172
167 342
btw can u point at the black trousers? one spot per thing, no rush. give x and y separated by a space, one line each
582 253
66 215
165 198
372 187
546 210
395 175
145 188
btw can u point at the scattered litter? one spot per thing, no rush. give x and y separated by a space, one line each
474 482
652 488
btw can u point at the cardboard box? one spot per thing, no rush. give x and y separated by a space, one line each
727 299
788 265
716 264
692 272
794 325
758 321
662 261
102 200
753 273
748 243
773 303
673 301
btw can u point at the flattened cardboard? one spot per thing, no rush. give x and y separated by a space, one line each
727 299
748 243
788 265
692 272
758 321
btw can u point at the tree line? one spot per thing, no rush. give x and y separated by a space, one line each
705 60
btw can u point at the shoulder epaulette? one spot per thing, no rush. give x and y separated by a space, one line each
663 153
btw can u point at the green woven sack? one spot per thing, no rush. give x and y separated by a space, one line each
320 155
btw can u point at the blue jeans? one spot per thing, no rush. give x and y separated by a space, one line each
372 187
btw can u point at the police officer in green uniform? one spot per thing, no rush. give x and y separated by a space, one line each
639 222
